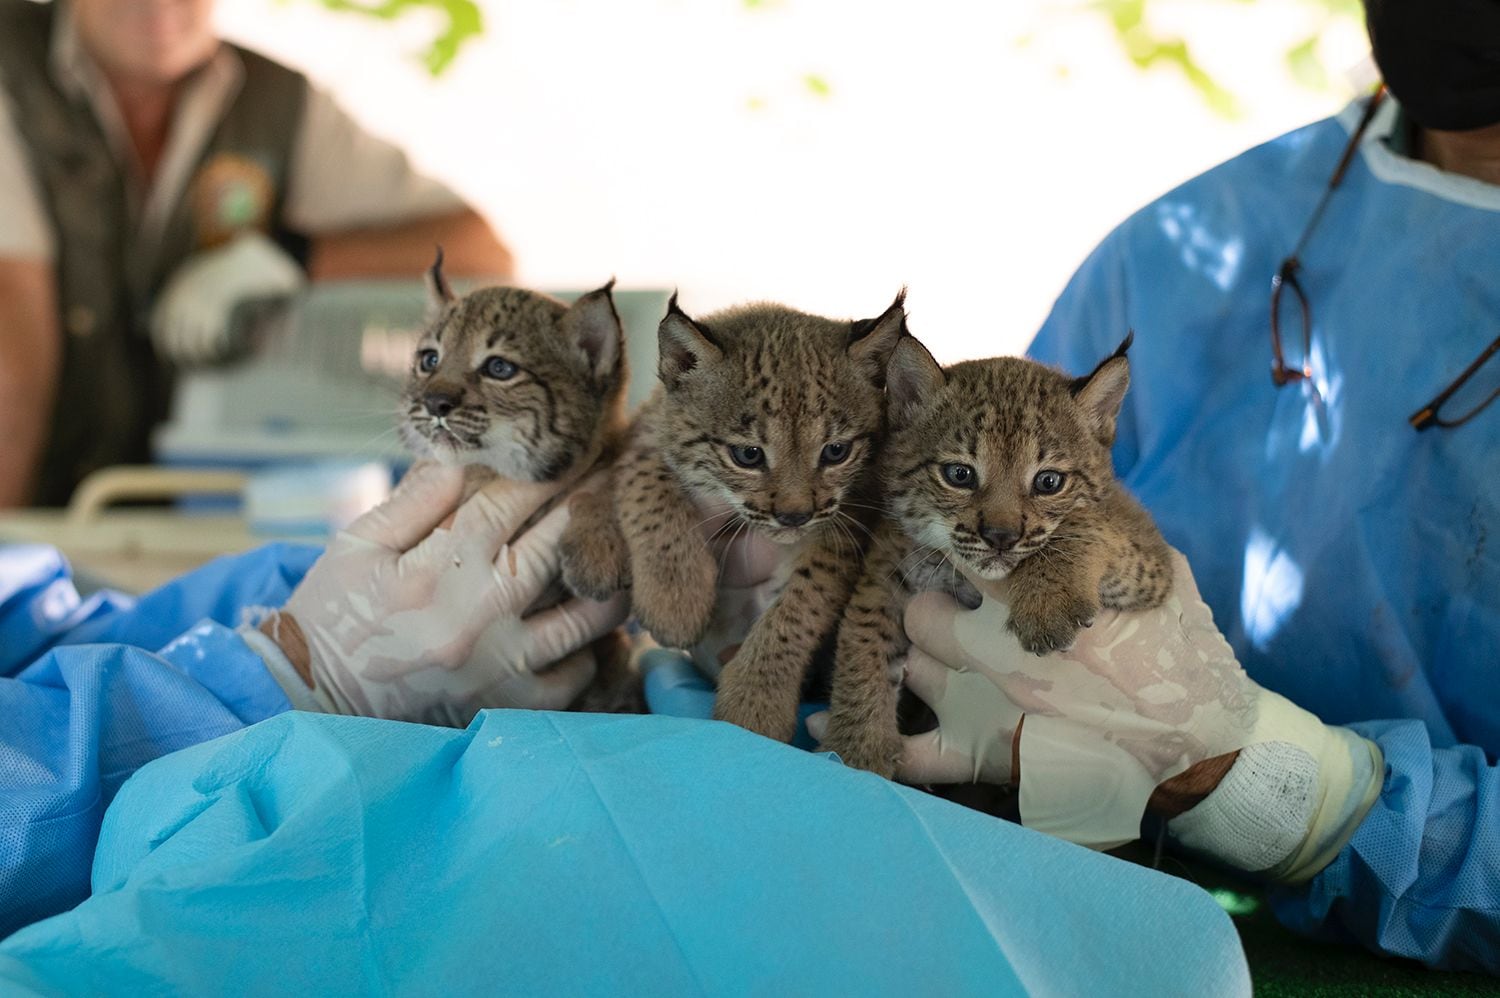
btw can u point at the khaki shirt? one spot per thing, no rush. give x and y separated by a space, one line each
341 177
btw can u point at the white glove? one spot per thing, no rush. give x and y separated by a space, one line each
190 322
404 619
1140 698
752 572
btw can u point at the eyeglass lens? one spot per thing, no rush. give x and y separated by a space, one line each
1467 396
1291 326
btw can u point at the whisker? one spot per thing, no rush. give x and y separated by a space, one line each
882 509
742 524
906 577
924 549
726 512
368 446
861 526
721 528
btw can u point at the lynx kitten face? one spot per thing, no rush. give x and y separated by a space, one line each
514 380
774 412
987 459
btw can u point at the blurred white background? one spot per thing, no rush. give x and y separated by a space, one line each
825 152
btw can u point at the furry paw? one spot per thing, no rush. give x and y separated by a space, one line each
595 561
1051 625
625 694
617 688
869 747
676 602
963 590
746 699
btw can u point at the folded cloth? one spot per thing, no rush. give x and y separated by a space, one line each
591 854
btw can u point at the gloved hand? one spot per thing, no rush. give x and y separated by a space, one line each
1148 706
405 619
752 571
190 322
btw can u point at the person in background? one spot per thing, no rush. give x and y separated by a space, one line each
152 176
1341 516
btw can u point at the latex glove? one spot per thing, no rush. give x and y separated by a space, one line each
405 619
190 322
1143 700
752 572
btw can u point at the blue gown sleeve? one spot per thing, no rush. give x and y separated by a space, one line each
39 605
1421 877
90 690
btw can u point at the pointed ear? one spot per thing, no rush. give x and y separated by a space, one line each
911 377
592 324
1100 394
439 294
685 346
872 341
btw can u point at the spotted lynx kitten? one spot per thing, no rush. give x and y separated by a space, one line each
776 413
516 384
1001 466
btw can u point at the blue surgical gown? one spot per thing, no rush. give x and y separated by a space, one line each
91 690
1353 563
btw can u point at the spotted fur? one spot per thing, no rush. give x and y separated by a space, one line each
1011 422
775 416
516 384
516 381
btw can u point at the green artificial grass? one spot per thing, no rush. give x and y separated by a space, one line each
1284 964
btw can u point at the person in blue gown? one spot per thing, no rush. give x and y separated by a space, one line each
1312 421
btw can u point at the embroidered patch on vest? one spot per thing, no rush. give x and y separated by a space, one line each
230 194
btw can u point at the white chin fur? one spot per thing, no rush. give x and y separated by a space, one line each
508 460
993 573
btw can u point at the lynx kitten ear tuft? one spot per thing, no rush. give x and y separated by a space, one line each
872 341
684 346
594 327
1101 394
912 376
439 293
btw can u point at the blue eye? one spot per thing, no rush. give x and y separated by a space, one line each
427 361
960 476
1048 483
747 457
835 453
499 368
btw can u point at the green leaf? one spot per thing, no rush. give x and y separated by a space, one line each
465 23
1307 69
817 85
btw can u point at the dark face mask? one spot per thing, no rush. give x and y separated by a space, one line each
1441 58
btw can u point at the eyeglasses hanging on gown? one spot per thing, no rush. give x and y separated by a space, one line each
1282 373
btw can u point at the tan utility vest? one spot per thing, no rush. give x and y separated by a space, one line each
113 389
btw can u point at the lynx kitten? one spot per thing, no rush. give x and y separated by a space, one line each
1002 467
514 383
775 415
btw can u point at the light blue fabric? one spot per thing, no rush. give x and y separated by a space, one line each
1353 563
121 685
674 686
558 854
